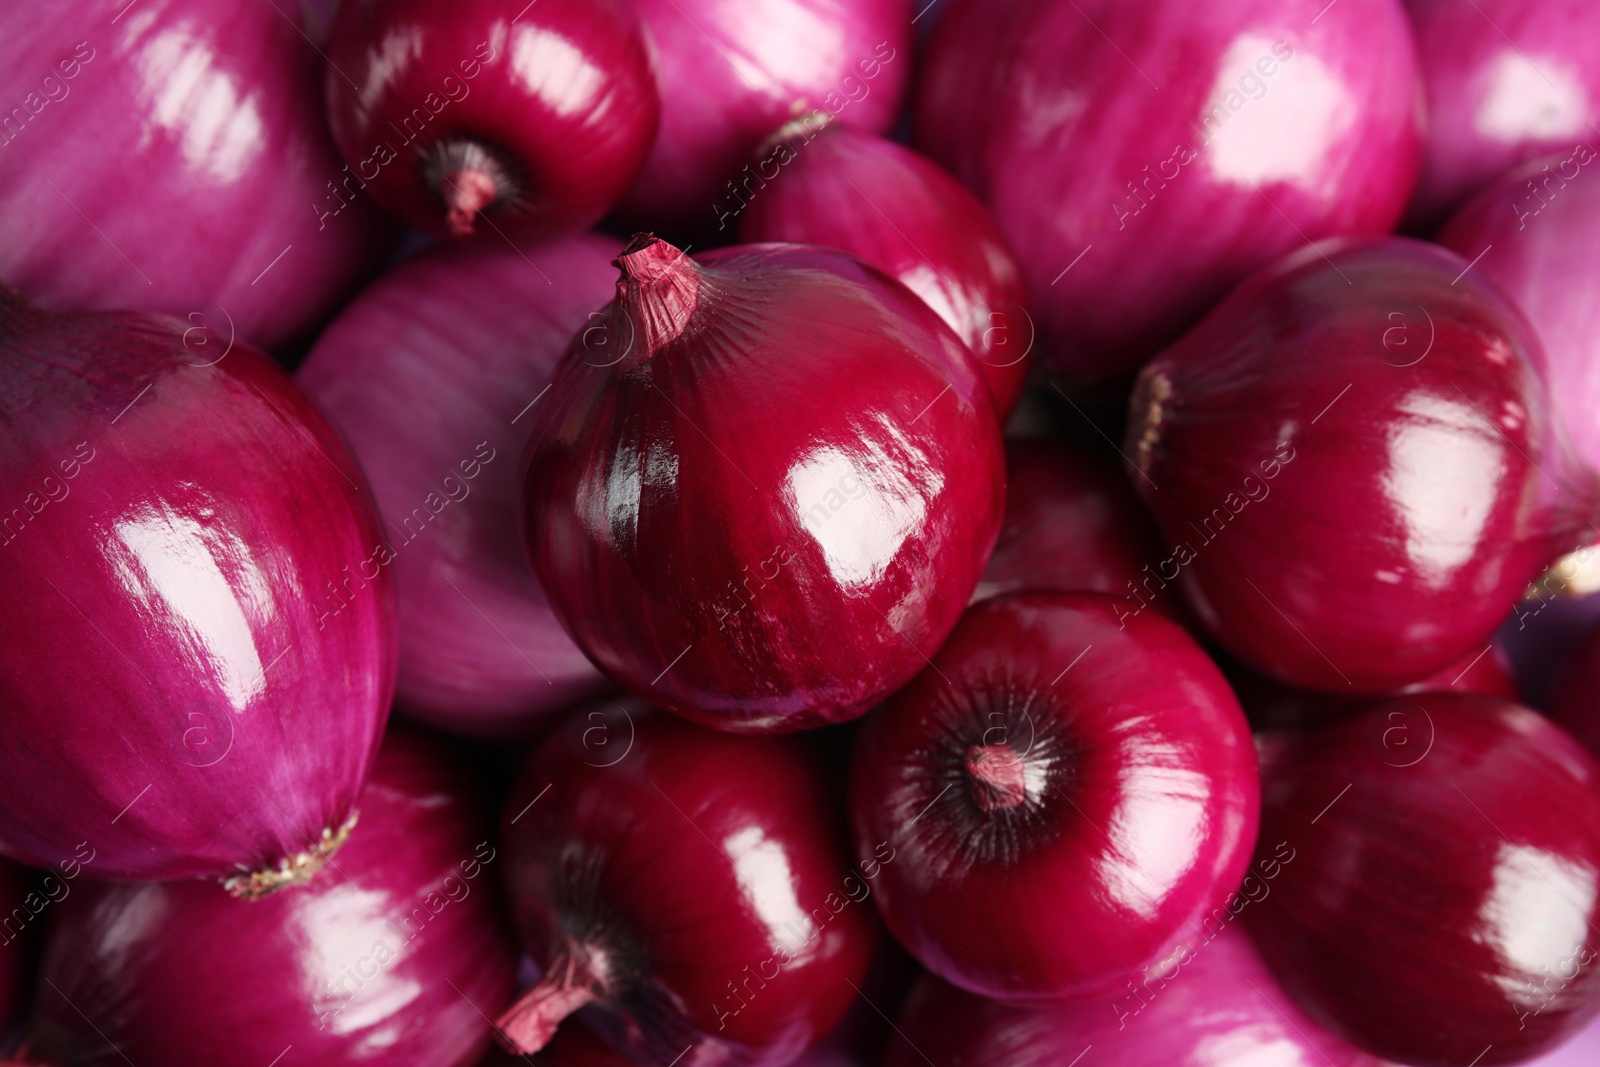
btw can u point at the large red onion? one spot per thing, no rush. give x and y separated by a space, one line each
392 956
531 118
173 157
685 891
196 662
731 73
1506 80
433 373
1357 465
1067 789
762 489
1142 158
1441 905
895 210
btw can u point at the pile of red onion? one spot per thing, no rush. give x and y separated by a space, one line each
800 533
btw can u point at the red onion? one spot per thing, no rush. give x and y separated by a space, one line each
533 120
762 490
433 373
391 956
196 664
1507 80
173 157
895 210
1067 789
1446 879
1356 464
1142 158
1213 1005
731 73
685 890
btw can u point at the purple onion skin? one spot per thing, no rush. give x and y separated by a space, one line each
391 956
1122 727
183 156
763 488
699 878
1440 906
1506 81
430 374
731 73
896 210
562 96
1215 1006
1319 451
1050 112
186 695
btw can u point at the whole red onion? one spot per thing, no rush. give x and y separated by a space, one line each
1067 790
173 157
1506 80
1441 904
391 956
762 489
895 210
196 660
1213 1005
529 117
685 890
1142 158
1356 465
731 73
433 373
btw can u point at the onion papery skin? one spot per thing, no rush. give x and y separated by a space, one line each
1536 233
1357 465
730 74
552 106
1439 908
1217 1005
1121 726
1129 213
1506 81
729 539
430 374
183 166
701 878
896 210
390 956
196 674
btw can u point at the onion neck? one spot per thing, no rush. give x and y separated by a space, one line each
995 776
468 178
660 289
572 981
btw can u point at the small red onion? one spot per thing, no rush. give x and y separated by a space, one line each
1357 465
532 122
391 956
685 891
1441 905
896 210
433 373
173 157
1067 789
196 666
762 490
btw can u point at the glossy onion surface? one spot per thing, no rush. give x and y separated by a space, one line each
196 663
762 489
1142 158
174 158
1506 80
1441 906
390 956
431 374
688 890
530 122
1066 794
1356 465
896 210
